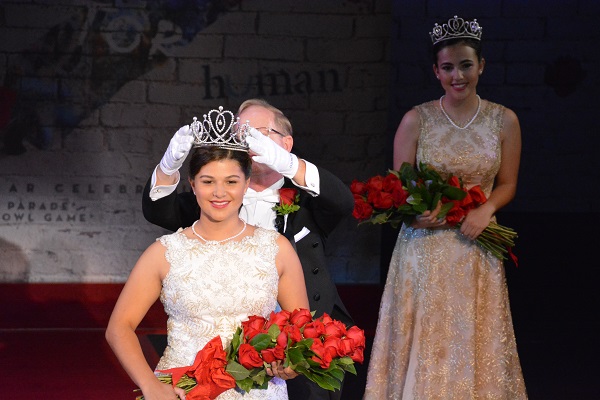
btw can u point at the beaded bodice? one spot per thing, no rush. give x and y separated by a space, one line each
210 288
472 154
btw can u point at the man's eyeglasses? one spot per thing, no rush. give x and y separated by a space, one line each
265 130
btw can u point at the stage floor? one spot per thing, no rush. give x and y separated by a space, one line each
52 341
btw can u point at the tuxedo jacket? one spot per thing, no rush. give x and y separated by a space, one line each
319 215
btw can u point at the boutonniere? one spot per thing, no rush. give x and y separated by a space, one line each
288 201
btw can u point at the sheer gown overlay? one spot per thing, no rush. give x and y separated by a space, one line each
445 329
210 289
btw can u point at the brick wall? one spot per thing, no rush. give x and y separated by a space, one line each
541 59
92 92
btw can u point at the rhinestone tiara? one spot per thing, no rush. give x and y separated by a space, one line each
220 128
456 28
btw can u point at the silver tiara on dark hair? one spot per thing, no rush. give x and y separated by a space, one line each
456 28
220 128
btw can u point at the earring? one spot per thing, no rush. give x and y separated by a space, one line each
480 72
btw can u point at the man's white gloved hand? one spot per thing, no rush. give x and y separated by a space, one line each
271 154
178 149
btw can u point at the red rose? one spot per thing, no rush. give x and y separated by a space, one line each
455 215
322 356
314 330
399 196
477 195
249 357
300 317
346 347
273 354
208 370
356 354
391 183
291 332
253 326
325 319
362 209
336 329
357 335
280 319
381 200
333 345
454 181
222 381
357 187
466 203
287 196
374 184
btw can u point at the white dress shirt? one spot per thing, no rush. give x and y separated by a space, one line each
257 208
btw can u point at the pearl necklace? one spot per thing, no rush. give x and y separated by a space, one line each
218 241
468 123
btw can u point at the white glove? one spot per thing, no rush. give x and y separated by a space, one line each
271 154
178 149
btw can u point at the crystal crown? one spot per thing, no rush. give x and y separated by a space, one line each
220 128
456 28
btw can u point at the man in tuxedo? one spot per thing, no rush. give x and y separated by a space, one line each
324 202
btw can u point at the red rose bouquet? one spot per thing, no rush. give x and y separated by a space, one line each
321 349
401 195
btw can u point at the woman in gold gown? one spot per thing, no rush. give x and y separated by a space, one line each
445 329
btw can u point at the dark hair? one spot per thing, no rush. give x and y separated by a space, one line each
204 155
473 43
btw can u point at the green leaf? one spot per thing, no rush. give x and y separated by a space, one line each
393 171
380 218
429 173
405 208
237 370
245 384
407 172
436 199
338 373
295 355
234 344
454 193
274 331
260 378
345 361
428 200
420 208
349 368
414 199
326 382
302 369
313 364
305 344
261 341
444 209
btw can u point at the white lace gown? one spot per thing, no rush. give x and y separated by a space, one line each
210 289
445 328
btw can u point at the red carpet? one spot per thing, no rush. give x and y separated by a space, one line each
61 364
52 342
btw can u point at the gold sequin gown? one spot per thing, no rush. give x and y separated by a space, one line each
445 329
210 289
